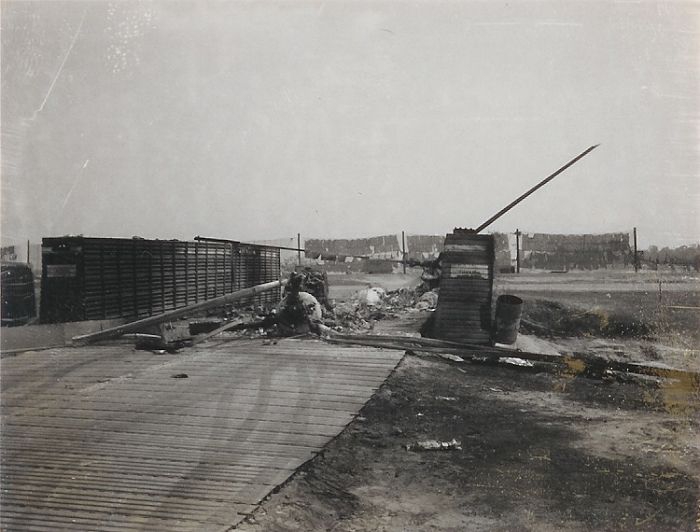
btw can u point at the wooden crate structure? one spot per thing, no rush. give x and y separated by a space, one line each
466 288
104 278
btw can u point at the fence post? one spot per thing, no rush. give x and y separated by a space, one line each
636 253
299 248
517 251
403 249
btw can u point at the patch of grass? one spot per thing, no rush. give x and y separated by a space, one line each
555 319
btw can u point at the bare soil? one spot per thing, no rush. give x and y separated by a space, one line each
539 451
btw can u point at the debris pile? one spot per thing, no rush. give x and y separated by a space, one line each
351 316
371 297
428 301
372 304
435 445
314 282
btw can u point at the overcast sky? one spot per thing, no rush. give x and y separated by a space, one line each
342 119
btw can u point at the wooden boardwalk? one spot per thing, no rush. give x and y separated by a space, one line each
113 439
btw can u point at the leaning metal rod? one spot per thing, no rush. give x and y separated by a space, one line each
533 189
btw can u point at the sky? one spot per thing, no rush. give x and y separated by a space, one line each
261 120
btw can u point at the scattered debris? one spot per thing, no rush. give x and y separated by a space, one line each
204 325
403 298
370 305
314 282
435 445
516 361
453 358
583 364
372 296
432 272
175 334
428 301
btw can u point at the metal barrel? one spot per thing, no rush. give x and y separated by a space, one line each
18 300
509 310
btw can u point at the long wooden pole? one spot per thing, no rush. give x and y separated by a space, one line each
135 326
579 362
533 189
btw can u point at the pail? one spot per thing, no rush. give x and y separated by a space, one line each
509 309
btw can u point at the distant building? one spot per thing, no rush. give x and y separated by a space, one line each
418 247
503 258
575 252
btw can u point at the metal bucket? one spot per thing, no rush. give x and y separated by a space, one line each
509 310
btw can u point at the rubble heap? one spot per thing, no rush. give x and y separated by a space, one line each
372 304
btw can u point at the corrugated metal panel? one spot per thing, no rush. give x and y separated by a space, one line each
466 285
107 278
101 438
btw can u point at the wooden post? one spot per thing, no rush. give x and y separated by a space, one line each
299 247
636 253
517 251
403 248
28 261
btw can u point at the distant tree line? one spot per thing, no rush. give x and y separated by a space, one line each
683 256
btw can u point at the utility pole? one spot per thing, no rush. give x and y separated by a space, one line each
636 253
517 251
299 247
403 247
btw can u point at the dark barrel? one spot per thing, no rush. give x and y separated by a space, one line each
509 309
18 302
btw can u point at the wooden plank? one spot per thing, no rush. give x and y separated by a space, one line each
170 415
143 451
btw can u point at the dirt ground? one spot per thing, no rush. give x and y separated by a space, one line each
538 451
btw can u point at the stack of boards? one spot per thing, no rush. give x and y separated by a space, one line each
463 313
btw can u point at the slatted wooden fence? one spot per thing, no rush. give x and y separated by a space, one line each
104 278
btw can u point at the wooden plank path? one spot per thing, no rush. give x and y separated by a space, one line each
109 438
